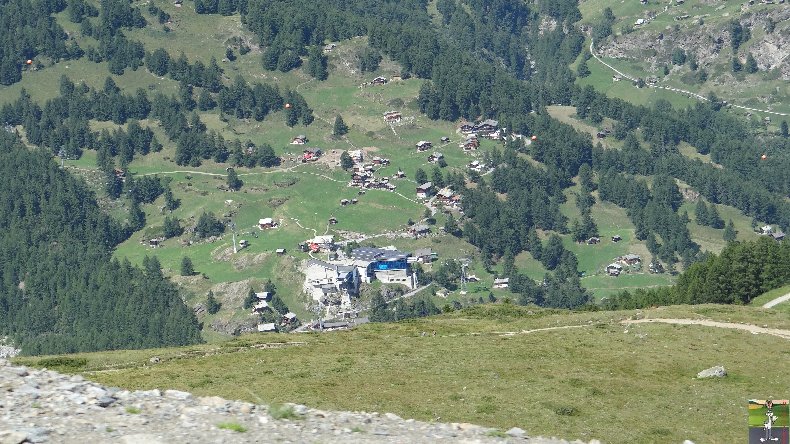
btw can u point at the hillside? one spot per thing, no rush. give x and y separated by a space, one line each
691 46
578 376
232 90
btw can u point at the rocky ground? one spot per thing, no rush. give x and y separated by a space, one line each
44 406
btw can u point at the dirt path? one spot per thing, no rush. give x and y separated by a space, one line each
677 90
777 301
536 330
784 334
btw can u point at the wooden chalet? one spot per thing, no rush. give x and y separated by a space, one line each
379 81
392 116
424 190
423 145
301 139
435 157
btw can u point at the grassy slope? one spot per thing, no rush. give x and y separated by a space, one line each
596 381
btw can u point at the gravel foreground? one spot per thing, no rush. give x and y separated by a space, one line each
39 406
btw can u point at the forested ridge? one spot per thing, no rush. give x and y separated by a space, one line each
61 290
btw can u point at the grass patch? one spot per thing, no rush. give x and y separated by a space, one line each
282 411
132 410
233 426
496 433
63 363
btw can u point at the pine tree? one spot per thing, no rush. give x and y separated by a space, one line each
420 177
701 213
751 64
451 226
783 129
136 217
345 161
714 219
233 181
172 227
737 66
187 269
250 300
171 203
583 70
212 305
339 128
730 234
316 63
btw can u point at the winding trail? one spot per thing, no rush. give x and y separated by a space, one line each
777 301
784 334
678 90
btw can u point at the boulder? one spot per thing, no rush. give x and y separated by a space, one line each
713 372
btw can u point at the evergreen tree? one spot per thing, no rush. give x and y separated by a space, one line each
751 64
212 305
171 203
172 227
714 219
437 177
233 181
250 300
420 177
339 128
379 311
345 161
730 234
783 129
187 269
368 59
317 63
552 252
451 226
583 70
701 213
737 66
205 101
136 217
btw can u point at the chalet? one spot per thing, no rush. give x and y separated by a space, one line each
260 307
311 155
392 116
423 256
476 165
470 143
356 155
380 161
318 243
424 190
333 220
631 259
472 278
445 195
344 202
400 174
177 3
778 235
289 318
655 267
267 328
354 201
639 22
243 244
614 269
323 279
329 47
119 173
266 223
435 157
155 242
445 139
263 296
379 81
9 128
388 265
467 128
766 230
616 238
616 78
487 127
501 283
419 230
423 145
593 240
280 251
600 135
301 139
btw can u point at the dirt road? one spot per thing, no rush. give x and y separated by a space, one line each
785 334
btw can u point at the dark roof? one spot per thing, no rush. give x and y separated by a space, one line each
377 254
328 266
422 252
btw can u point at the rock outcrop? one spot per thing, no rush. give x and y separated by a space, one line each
40 406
